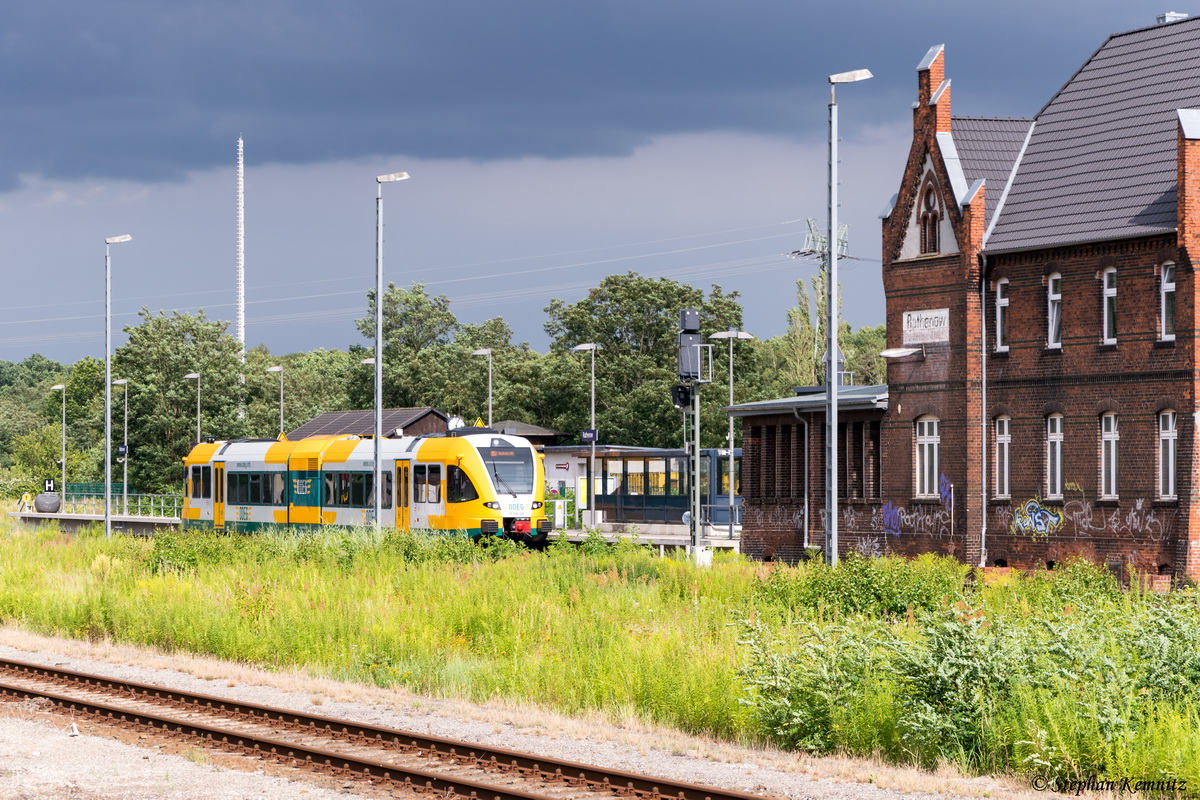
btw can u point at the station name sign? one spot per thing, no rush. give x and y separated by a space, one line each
924 327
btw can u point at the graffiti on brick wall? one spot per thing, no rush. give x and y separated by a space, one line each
946 491
926 520
756 516
1031 518
869 547
891 518
1084 518
1141 520
861 518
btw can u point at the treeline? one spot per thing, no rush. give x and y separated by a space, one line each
427 362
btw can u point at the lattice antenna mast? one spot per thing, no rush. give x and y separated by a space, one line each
816 242
241 247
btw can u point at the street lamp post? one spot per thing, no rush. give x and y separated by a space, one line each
280 371
831 353
487 351
378 492
124 382
63 489
731 335
108 380
591 492
195 376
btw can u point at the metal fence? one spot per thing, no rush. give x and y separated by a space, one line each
140 505
715 517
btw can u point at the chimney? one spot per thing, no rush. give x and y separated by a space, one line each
1170 16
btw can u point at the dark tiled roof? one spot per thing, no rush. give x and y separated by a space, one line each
988 148
360 423
1101 161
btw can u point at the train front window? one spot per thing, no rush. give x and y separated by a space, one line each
510 467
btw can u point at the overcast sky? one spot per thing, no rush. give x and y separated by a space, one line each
550 143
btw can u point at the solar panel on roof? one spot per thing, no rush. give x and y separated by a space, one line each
358 423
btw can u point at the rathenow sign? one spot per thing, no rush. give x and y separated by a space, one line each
924 327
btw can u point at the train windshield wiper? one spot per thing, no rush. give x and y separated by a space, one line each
496 475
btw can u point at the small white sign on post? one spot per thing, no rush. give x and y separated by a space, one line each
927 326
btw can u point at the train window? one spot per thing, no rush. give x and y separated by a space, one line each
252 489
656 477
195 478
236 488
635 476
459 488
419 492
278 484
435 483
206 482
387 489
704 476
330 498
358 490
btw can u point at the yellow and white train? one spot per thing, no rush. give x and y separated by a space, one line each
470 479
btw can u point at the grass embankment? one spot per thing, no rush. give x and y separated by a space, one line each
906 660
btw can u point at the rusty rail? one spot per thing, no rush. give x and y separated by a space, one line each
500 761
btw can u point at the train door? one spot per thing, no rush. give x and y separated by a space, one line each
219 495
428 505
403 473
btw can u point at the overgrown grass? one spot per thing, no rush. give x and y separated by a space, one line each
1065 675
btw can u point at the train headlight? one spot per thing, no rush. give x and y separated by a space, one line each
537 504
492 505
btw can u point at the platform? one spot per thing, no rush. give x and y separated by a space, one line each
124 523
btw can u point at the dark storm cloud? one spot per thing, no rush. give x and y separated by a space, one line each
148 89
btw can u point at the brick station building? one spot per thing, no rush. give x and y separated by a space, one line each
1042 394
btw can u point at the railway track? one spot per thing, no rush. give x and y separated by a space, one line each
385 758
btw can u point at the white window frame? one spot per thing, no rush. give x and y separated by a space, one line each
1109 309
1110 438
1054 459
1002 315
928 440
1166 303
1054 310
1002 455
1168 453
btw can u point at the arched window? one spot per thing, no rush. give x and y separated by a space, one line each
1054 452
928 442
1168 435
1054 310
1003 444
931 219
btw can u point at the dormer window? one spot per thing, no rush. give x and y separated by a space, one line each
931 218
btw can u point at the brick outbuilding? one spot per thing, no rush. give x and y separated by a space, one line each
1041 398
